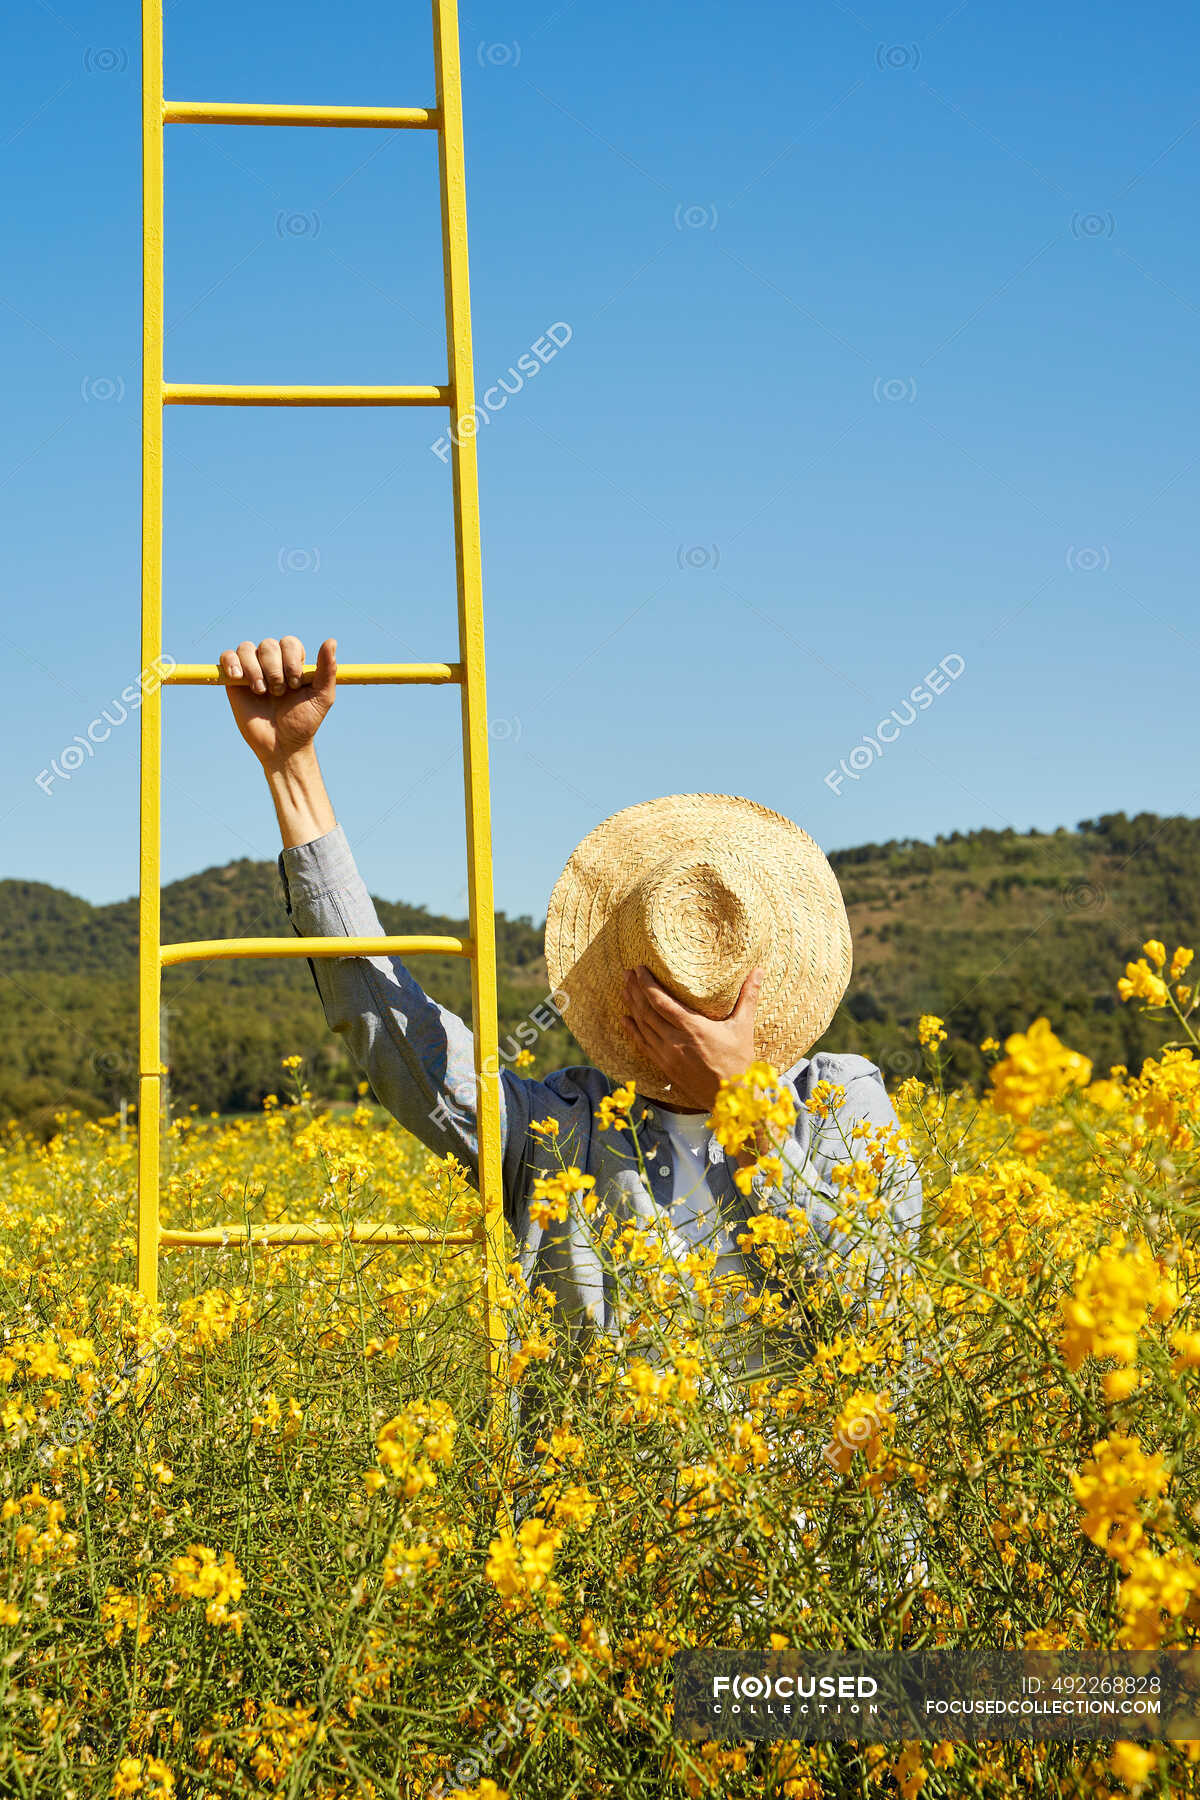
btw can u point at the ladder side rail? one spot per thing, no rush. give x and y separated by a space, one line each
149 1124
468 562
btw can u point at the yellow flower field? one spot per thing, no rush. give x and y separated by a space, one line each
263 1541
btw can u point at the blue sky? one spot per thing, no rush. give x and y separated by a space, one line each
882 334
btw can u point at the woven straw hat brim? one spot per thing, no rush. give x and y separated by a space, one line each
793 926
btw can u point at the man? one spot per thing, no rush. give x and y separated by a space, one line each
686 939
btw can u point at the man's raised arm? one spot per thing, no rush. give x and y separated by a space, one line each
417 1055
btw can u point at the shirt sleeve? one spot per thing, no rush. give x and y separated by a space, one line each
418 1056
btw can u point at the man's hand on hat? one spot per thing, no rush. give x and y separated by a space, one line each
691 1052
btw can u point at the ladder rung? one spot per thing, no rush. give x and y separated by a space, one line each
354 674
225 949
225 393
214 1237
250 112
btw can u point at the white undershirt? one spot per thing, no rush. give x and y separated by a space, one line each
689 1134
695 1213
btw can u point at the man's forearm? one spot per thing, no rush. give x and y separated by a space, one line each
417 1055
302 806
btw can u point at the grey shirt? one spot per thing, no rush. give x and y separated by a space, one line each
418 1058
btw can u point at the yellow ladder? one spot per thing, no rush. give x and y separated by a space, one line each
444 117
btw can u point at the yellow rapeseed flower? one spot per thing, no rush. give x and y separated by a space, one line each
614 1108
1154 1584
409 1444
1110 1487
1106 1313
1132 1764
1036 1070
199 1575
756 1098
1139 982
520 1566
550 1200
147 1776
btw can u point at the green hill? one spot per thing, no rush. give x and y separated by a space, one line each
985 928
990 928
69 971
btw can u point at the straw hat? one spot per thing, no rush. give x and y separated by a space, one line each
701 888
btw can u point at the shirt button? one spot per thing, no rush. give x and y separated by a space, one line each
663 1169
649 1112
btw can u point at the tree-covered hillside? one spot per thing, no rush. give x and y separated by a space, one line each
985 928
68 972
990 928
